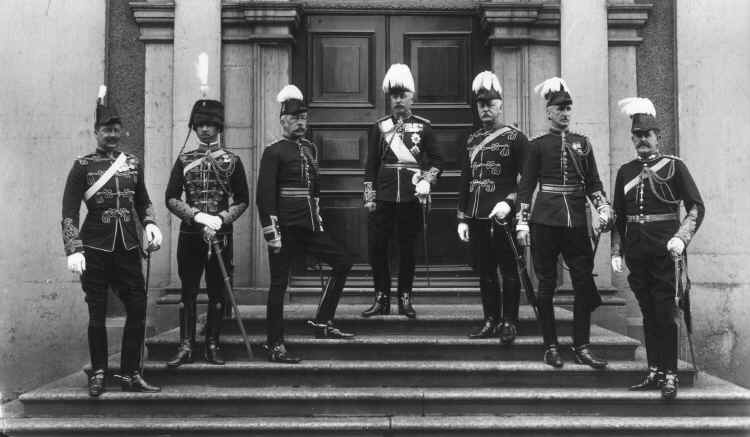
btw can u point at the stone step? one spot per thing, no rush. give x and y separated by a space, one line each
713 398
606 344
400 425
431 319
364 296
392 373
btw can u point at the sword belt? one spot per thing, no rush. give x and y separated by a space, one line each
562 189
294 192
648 218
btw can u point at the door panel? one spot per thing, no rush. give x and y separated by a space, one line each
340 62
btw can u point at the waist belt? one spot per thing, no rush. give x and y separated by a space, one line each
562 189
648 218
401 165
487 184
294 192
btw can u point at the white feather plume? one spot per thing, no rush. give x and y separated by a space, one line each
202 71
486 80
637 105
289 92
398 76
102 93
551 85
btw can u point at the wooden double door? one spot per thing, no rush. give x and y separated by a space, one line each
339 62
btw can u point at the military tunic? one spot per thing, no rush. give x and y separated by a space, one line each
288 196
647 196
562 164
492 163
109 241
390 181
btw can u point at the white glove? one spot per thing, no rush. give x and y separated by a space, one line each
617 264
77 263
275 245
501 210
463 232
605 216
153 235
422 188
675 246
522 235
370 206
212 221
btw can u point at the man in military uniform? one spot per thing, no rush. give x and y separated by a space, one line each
648 192
106 251
288 200
402 164
562 162
487 192
216 194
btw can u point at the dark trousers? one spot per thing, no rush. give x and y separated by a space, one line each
547 243
405 220
122 271
297 241
192 261
652 280
490 250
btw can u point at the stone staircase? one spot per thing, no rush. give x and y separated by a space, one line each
398 377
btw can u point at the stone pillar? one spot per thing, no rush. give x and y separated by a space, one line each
584 66
267 30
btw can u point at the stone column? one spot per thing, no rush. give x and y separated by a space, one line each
584 64
267 29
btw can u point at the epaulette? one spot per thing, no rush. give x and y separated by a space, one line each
422 119
382 119
570 132
84 160
538 136
515 128
677 158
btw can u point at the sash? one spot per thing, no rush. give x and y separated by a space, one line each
488 139
636 180
199 161
105 177
395 142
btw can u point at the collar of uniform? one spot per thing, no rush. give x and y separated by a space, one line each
109 153
208 146
650 158
556 131
405 117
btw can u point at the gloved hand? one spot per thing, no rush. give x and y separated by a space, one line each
77 263
463 232
522 235
154 237
212 221
500 211
605 217
275 245
617 264
370 206
675 246
422 188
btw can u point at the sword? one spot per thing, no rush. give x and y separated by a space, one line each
425 202
524 273
149 249
213 242
682 296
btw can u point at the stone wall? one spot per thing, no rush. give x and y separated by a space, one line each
54 52
713 69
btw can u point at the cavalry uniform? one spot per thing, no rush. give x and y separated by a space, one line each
400 154
213 182
491 164
288 196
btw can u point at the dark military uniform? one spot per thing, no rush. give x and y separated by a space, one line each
110 243
390 182
288 204
646 202
558 223
489 175
209 176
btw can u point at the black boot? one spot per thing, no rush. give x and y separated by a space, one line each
487 330
135 382
507 332
404 305
381 306
552 356
584 356
212 352
669 386
278 354
652 381
214 319
97 384
327 330
187 336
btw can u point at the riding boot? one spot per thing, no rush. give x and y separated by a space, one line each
381 306
487 330
404 304
214 319
187 336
